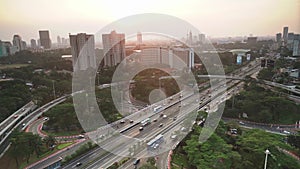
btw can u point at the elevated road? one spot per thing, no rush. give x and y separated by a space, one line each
152 130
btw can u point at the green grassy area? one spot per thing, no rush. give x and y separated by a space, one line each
12 66
64 145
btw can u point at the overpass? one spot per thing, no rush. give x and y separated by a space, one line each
21 118
290 89
221 77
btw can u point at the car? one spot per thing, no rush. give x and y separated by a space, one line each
164 116
131 121
24 124
155 120
78 164
161 124
183 129
80 136
173 137
141 128
136 162
174 118
122 121
241 123
46 118
286 132
16 116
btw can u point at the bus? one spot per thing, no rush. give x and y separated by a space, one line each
157 109
154 143
145 122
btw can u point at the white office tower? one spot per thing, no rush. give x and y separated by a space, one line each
113 48
83 51
177 57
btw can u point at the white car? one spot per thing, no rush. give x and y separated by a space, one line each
242 123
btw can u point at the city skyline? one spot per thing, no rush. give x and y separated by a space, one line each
64 17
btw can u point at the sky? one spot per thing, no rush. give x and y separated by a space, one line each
215 18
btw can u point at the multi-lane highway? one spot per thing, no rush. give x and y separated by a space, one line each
101 158
150 131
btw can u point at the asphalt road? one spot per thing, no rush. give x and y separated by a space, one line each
99 158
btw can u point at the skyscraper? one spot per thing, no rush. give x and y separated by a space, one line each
83 51
190 38
113 48
58 40
17 42
278 37
23 45
139 38
201 38
33 43
6 48
285 33
45 39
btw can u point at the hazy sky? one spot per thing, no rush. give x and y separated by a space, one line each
216 18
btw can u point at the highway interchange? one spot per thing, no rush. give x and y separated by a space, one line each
177 109
101 159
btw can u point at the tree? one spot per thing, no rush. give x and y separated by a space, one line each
50 141
148 166
24 145
151 160
294 140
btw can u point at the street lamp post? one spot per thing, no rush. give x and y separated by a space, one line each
266 159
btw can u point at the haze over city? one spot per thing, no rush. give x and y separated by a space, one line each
216 18
160 84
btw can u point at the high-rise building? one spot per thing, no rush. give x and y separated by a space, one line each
39 43
6 48
285 33
3 51
45 39
113 48
201 38
278 37
139 38
190 38
175 57
83 51
58 40
290 41
33 43
17 41
23 45
296 45
251 40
